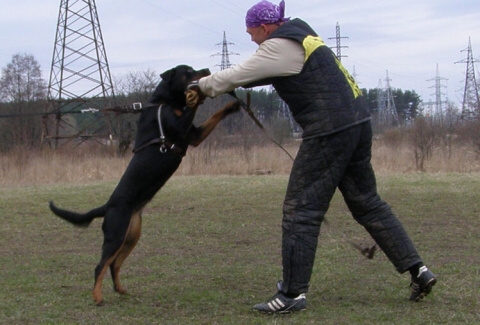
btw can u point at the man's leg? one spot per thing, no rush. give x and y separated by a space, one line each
359 189
316 173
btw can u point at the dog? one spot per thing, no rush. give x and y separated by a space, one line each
165 130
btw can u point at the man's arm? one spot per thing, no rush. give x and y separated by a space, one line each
274 58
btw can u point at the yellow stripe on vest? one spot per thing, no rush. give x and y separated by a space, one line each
355 89
311 43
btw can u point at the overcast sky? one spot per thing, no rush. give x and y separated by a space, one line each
406 37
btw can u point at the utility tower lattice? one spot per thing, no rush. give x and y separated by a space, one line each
80 77
355 75
225 54
471 100
438 110
338 39
387 111
283 111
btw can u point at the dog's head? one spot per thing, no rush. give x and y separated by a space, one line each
171 90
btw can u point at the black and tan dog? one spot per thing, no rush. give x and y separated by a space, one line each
171 113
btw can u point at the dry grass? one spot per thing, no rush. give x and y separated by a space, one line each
27 167
400 159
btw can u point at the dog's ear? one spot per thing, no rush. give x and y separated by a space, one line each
162 93
167 75
169 90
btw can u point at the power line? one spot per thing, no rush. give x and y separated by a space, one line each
115 109
23 115
170 12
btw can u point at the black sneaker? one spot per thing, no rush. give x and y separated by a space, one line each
422 284
281 304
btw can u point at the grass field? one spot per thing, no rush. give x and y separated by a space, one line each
210 249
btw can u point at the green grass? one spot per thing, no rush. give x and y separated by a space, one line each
210 249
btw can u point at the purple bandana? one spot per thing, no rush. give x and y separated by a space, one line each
265 12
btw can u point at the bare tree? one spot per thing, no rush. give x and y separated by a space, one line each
22 80
140 84
422 139
136 86
23 89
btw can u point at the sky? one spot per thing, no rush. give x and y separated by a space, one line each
406 39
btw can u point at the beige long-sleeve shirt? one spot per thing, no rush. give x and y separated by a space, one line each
275 57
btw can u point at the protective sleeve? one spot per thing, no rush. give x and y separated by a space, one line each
277 57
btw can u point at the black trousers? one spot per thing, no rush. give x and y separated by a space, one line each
340 160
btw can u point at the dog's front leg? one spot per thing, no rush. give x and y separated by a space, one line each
209 125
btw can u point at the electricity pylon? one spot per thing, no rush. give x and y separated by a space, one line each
225 54
387 111
438 104
80 79
338 39
471 100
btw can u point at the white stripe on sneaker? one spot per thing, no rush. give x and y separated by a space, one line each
422 270
276 304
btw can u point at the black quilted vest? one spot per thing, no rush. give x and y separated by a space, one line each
323 97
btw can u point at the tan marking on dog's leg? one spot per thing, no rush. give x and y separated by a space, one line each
97 288
131 239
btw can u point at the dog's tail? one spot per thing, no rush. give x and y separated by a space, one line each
79 219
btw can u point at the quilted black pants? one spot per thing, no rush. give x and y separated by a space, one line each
340 160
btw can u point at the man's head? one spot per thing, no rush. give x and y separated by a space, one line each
263 18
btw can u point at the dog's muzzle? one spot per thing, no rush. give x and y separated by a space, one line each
204 72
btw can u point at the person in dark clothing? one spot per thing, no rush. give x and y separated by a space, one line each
335 151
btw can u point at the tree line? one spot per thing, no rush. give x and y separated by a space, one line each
23 105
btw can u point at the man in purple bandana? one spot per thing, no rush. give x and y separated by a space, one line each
335 151
265 12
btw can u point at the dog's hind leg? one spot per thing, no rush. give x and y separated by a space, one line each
115 227
131 240
100 271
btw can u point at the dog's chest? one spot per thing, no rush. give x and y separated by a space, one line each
174 127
